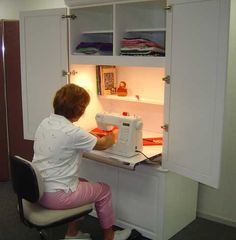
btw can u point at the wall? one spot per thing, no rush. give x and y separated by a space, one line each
216 204
219 204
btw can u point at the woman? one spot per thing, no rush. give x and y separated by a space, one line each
58 149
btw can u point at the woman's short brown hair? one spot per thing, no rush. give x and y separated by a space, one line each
71 101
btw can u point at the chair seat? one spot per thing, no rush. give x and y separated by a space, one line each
41 216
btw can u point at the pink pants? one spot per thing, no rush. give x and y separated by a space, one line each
86 192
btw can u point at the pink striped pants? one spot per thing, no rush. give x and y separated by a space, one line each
86 192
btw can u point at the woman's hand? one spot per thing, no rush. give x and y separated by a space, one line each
106 141
115 132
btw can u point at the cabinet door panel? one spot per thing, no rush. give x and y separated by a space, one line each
197 66
44 54
139 201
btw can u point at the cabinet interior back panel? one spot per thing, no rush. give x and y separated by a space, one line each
142 15
145 82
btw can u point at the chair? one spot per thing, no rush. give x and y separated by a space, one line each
27 184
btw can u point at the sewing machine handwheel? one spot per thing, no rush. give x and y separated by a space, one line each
139 125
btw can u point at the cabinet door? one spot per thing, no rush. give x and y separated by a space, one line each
197 56
44 54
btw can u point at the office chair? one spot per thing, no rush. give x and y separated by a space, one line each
27 184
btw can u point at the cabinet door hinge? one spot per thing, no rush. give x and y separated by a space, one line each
165 127
65 73
168 8
72 16
166 79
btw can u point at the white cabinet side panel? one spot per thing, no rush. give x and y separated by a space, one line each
197 66
180 203
44 55
139 202
99 172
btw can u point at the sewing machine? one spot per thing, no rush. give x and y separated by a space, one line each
129 139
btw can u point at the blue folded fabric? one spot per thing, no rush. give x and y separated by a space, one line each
101 46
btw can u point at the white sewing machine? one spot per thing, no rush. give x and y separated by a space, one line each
129 139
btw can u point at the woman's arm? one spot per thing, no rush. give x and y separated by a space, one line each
105 142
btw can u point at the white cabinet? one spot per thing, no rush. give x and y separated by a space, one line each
107 24
156 203
43 43
196 63
194 101
97 172
195 34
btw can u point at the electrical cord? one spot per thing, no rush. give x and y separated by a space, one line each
150 160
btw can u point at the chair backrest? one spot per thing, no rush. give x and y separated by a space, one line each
26 180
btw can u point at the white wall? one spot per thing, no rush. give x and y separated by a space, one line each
217 204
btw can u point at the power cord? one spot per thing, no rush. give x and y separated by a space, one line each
150 160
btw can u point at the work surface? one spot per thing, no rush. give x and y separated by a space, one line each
152 152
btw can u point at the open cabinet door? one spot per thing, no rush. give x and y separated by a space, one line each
44 55
197 40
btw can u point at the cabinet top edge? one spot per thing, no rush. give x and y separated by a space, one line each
84 3
40 12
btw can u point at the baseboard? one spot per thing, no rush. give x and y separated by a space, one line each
228 222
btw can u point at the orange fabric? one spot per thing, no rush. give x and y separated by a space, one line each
152 141
146 141
100 132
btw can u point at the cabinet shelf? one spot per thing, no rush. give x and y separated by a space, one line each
146 30
133 99
110 23
145 61
98 32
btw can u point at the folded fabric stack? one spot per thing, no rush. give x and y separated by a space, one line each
92 48
141 47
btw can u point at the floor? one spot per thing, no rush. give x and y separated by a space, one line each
12 229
